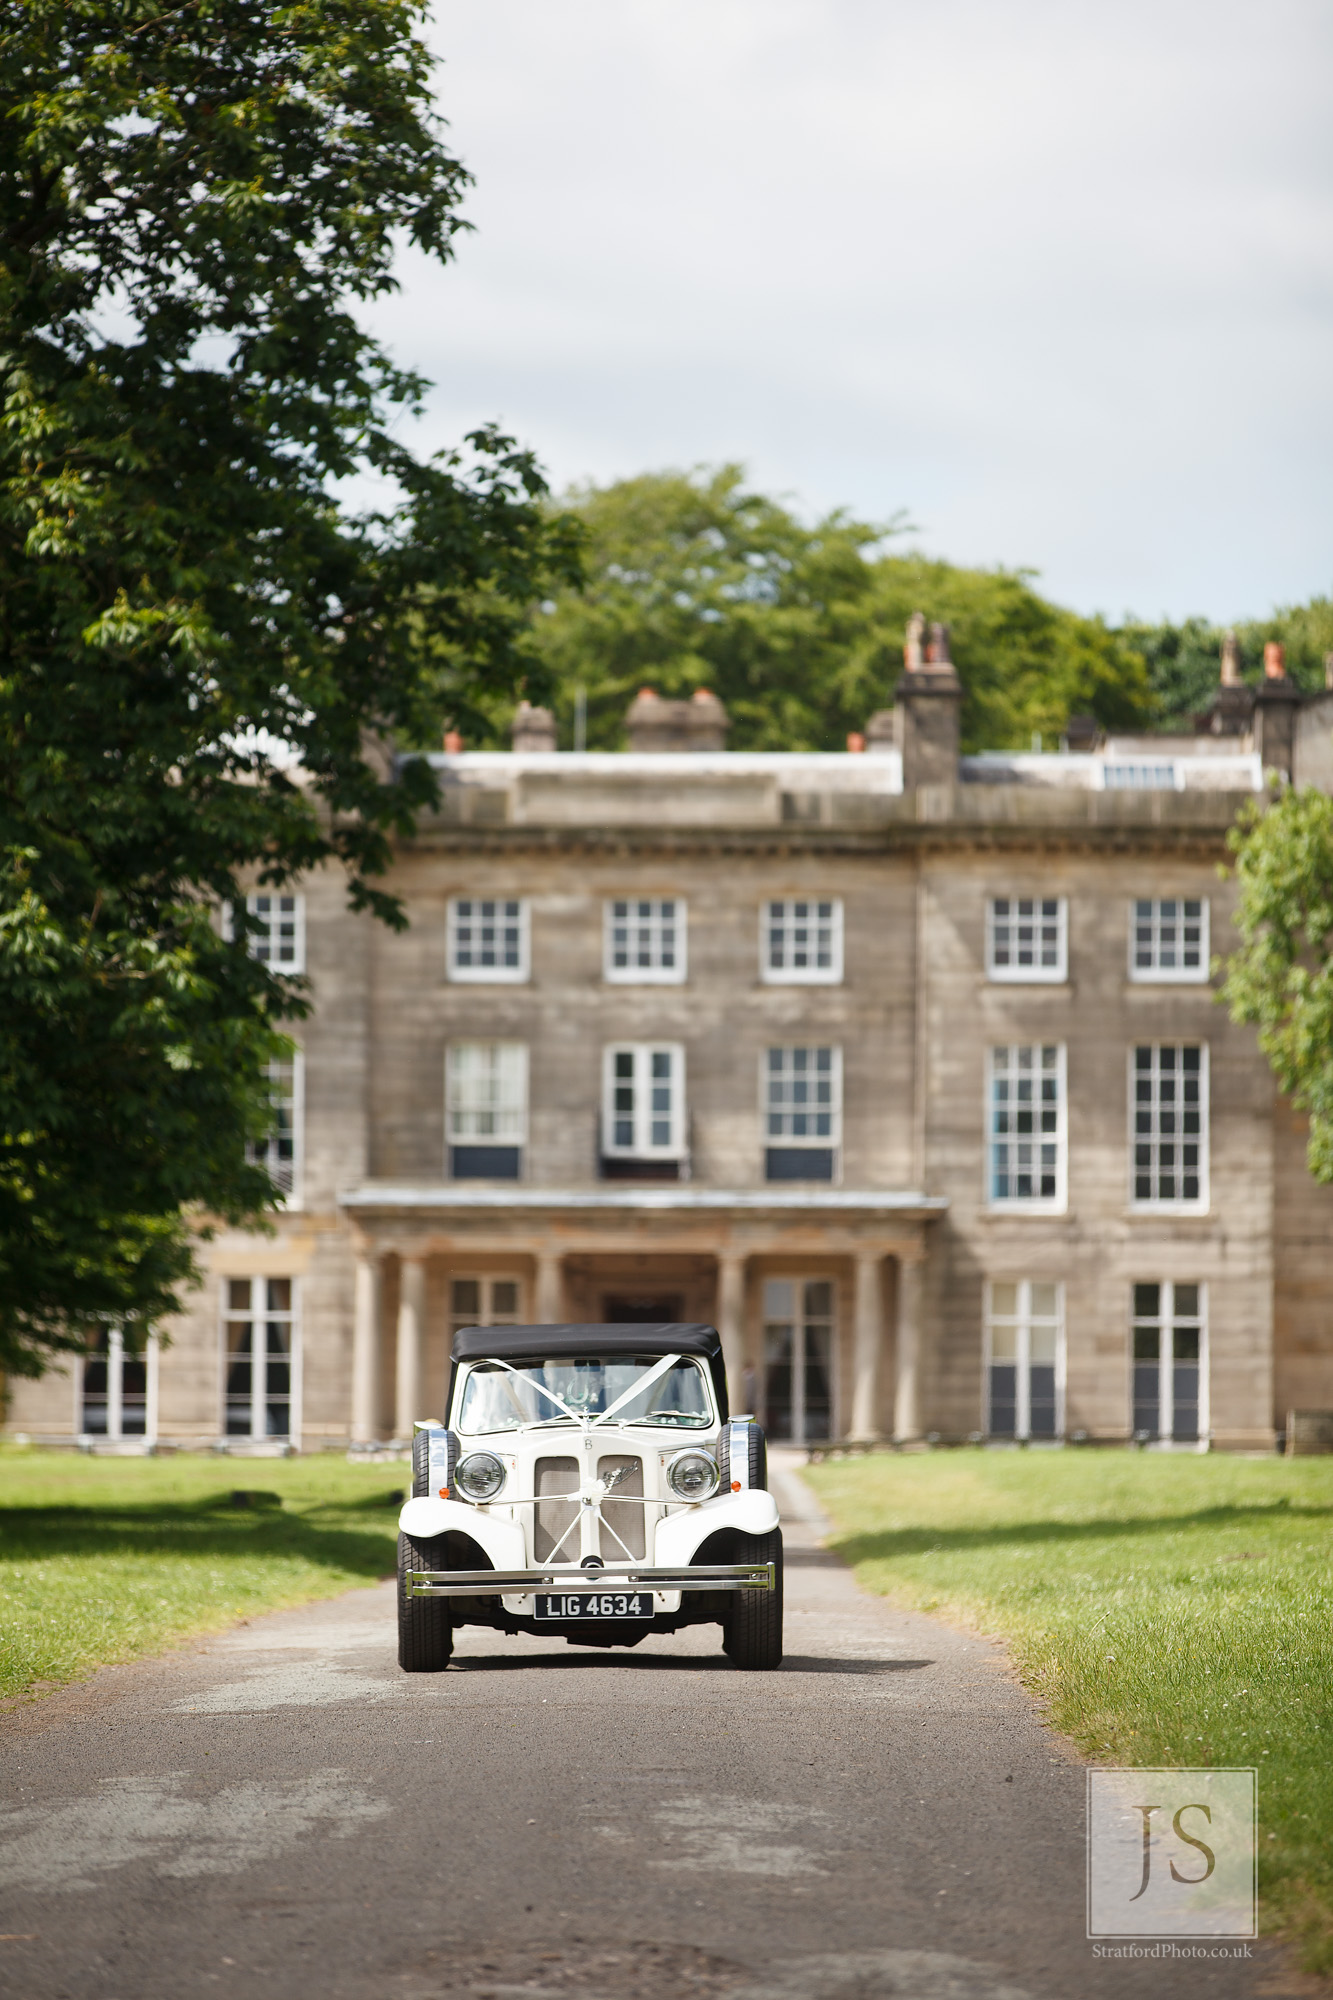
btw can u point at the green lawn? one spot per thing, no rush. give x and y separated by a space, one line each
108 1559
1168 1610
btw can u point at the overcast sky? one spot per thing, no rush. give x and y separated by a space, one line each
1054 276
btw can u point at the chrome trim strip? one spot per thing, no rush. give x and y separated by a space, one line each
530 1583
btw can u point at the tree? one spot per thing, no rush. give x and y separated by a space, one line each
1281 977
696 580
198 643
1184 660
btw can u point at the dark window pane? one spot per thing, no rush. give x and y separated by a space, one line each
1185 1400
1041 1400
1146 1401
494 1163
1003 1399
799 1163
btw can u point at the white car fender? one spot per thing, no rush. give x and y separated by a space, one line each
502 1541
754 1513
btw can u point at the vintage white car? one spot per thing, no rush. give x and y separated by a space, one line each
588 1484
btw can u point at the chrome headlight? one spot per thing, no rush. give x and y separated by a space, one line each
693 1475
480 1475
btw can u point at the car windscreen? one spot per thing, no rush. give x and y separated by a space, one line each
496 1398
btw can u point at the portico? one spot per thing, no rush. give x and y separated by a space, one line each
815 1293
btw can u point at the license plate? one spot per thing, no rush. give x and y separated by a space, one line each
596 1604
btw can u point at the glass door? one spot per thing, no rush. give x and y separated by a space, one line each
114 1399
258 1333
799 1327
1167 1367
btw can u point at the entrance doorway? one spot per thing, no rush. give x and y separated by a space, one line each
799 1325
642 1310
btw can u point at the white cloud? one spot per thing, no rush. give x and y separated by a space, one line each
1052 275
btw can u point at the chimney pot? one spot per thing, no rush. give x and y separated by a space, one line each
1275 660
453 743
856 744
1230 660
913 658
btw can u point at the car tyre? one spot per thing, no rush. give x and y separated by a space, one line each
752 1628
425 1629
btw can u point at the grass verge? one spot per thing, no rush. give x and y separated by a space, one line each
1168 1610
104 1560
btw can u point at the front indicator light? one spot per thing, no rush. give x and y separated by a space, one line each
480 1476
693 1475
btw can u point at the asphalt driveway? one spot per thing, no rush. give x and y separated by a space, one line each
280 1811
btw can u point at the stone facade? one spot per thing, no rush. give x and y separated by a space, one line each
887 1282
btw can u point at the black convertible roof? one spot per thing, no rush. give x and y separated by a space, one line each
549 1343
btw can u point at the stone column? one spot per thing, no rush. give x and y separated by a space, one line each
867 1341
731 1321
906 1408
366 1351
411 1327
115 1361
549 1303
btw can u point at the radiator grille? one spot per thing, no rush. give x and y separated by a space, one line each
622 1517
552 1516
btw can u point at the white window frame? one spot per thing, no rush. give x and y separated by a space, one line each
292 1316
460 913
1166 1386
644 914
115 1432
1037 1204
1031 911
266 1154
803 975
1156 974
1171 1204
290 907
822 1143
486 1315
512 1128
1022 1322
641 1146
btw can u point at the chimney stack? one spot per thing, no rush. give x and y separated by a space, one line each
654 725
532 728
1276 703
926 708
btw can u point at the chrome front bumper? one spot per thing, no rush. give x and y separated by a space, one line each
531 1582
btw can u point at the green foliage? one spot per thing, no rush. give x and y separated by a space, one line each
696 580
1184 660
1281 977
1168 1611
196 645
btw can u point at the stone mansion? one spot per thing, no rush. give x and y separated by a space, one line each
904 1069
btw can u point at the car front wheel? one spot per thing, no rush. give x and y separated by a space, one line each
425 1629
752 1629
